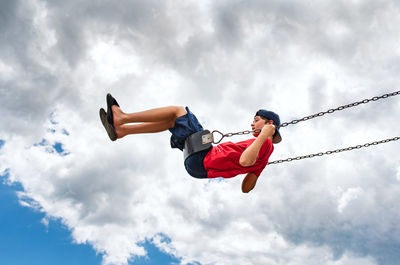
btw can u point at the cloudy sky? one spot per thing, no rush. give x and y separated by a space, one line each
70 194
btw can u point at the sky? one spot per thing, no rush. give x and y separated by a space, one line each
69 194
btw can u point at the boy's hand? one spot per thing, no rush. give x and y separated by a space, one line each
267 131
249 156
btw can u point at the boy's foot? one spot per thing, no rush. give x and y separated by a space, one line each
110 102
118 116
109 127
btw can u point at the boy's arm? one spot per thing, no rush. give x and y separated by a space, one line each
249 182
249 156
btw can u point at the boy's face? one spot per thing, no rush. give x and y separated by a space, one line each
258 124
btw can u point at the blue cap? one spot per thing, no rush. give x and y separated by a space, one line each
269 115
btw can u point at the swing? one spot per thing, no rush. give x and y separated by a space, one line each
197 142
203 140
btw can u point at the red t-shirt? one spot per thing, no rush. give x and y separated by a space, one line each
223 159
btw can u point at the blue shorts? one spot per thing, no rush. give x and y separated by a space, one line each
185 126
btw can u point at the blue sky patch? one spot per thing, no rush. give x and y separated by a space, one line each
25 240
22 231
56 147
44 142
2 142
59 148
154 256
64 131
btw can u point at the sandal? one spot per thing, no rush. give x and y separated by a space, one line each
109 127
110 102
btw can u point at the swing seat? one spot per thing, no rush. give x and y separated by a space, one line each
197 142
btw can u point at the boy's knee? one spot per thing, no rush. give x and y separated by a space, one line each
179 111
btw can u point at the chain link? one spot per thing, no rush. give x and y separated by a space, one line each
322 113
333 151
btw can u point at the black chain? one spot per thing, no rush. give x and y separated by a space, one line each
319 114
322 113
231 134
333 151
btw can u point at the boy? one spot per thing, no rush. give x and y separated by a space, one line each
224 160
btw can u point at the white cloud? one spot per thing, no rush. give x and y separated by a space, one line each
398 174
6 71
225 61
348 196
113 61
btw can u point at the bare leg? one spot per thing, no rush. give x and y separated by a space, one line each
152 115
150 121
145 127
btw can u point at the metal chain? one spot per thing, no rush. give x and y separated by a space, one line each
231 134
319 114
322 113
333 151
